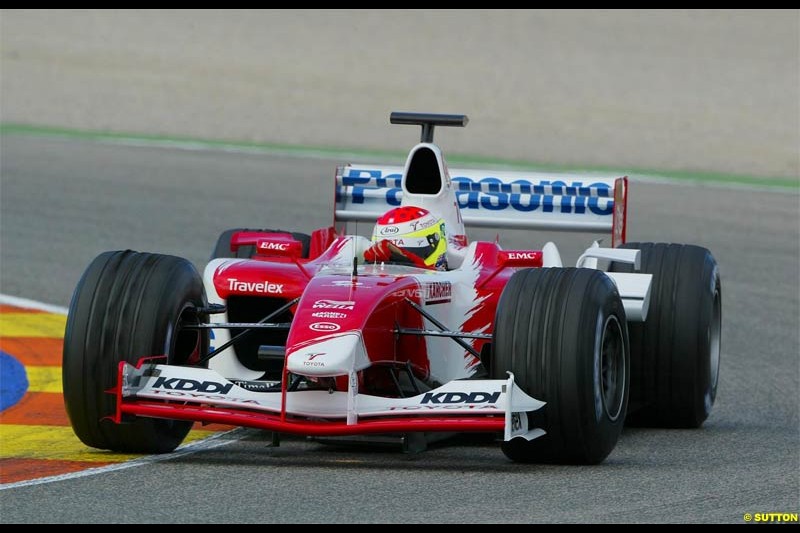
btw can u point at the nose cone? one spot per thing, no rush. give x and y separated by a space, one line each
332 356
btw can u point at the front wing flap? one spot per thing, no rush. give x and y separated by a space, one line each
200 394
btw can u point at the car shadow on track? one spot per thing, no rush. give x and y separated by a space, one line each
462 453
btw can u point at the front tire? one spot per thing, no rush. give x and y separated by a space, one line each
563 333
676 351
128 305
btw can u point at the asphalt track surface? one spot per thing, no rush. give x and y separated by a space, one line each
64 201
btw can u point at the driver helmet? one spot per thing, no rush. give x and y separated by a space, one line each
415 230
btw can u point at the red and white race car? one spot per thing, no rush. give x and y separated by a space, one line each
300 334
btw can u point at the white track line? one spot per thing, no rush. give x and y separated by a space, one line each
32 304
200 146
214 441
311 153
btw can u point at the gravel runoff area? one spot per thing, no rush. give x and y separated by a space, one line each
672 90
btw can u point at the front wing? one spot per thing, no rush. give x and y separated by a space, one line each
199 394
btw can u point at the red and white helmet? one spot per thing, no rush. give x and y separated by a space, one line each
415 230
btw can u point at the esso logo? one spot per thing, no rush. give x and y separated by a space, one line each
389 230
324 326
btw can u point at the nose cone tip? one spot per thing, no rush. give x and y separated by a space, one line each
333 356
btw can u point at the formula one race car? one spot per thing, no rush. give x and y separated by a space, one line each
334 335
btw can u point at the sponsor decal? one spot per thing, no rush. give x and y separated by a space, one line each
435 292
261 386
490 193
180 384
324 326
547 196
329 314
202 396
438 292
461 407
520 258
310 359
413 242
516 421
269 245
263 287
345 283
422 224
459 240
334 304
528 256
362 180
409 293
445 398
388 230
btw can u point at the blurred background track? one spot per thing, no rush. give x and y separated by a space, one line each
671 90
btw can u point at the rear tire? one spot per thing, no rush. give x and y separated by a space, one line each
675 353
128 305
563 333
223 246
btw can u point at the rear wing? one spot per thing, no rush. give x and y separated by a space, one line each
513 199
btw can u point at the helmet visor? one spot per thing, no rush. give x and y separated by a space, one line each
427 250
422 252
